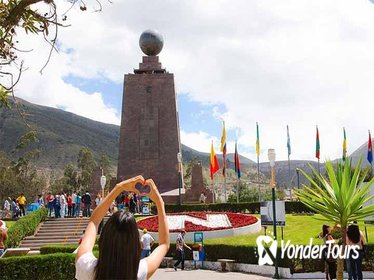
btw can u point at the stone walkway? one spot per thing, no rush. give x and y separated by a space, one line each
170 274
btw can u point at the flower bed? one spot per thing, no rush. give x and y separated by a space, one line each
198 221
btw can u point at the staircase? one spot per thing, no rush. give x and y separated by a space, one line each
56 231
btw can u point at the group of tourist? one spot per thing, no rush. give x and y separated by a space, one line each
354 264
130 200
15 207
70 205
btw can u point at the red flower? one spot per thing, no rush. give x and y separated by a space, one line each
236 220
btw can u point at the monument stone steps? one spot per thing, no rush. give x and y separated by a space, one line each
54 235
50 240
56 231
65 226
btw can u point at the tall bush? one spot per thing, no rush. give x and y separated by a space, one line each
24 227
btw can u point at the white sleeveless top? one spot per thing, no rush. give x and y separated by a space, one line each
85 267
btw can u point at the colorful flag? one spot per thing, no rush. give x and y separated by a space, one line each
370 149
257 141
223 149
344 145
237 162
317 144
214 167
288 142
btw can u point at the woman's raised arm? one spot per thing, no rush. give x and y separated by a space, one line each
155 259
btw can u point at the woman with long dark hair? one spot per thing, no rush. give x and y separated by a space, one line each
354 265
330 263
119 243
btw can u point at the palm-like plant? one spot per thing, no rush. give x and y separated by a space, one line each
339 197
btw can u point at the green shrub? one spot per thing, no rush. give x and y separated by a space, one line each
24 227
61 265
243 207
47 267
53 249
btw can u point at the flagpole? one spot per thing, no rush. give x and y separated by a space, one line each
213 191
237 190
289 163
258 178
224 186
258 161
289 176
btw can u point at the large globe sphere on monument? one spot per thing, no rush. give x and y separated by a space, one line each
151 42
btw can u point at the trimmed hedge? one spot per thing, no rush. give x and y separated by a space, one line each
53 249
244 254
24 227
292 207
47 267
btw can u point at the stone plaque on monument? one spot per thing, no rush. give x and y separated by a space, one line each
149 134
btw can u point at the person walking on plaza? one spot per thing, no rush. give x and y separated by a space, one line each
86 199
132 204
78 202
354 265
180 244
50 201
70 205
330 262
40 201
119 246
15 209
98 199
57 205
146 243
7 208
74 201
63 204
202 197
21 200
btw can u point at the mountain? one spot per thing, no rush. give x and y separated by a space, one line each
62 134
361 152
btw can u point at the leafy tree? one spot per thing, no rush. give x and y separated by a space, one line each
86 166
250 194
21 175
25 15
104 163
339 197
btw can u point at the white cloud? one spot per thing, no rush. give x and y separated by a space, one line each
200 141
294 62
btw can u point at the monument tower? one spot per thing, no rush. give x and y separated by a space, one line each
149 134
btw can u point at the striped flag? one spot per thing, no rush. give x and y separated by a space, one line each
214 167
223 149
370 149
237 162
288 142
257 141
317 143
344 145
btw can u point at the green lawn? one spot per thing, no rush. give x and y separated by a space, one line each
298 229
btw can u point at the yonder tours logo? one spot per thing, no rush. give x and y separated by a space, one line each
267 250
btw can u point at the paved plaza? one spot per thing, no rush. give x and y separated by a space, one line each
170 274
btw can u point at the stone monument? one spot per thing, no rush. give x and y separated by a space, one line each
197 186
149 133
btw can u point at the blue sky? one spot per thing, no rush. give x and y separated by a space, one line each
300 63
